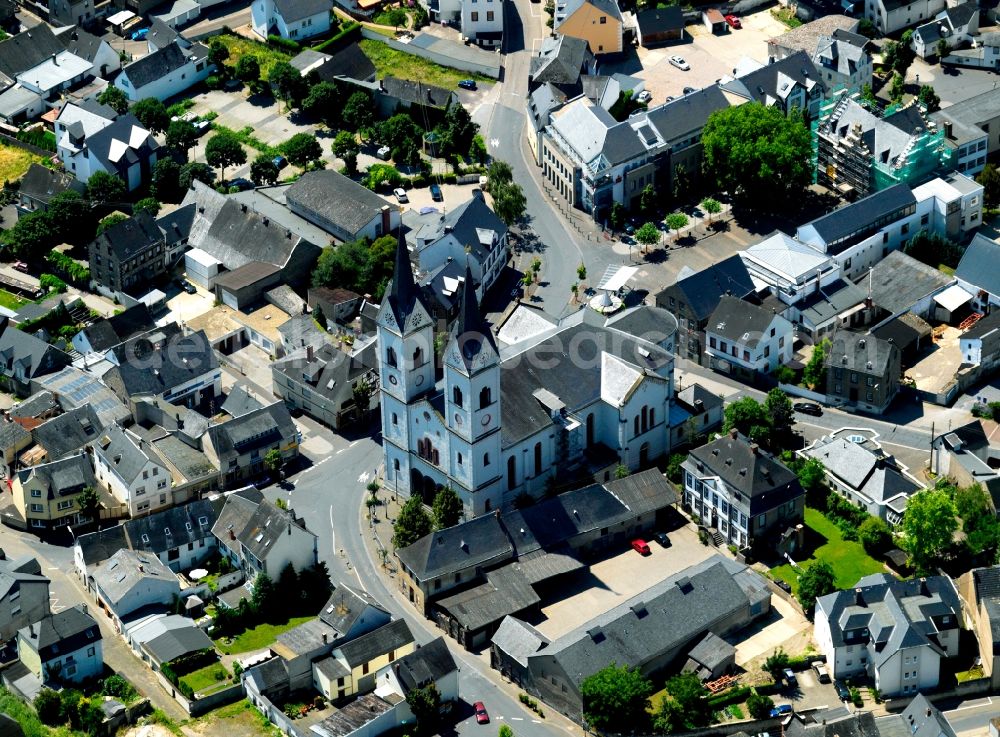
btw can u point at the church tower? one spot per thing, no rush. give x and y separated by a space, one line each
472 405
406 365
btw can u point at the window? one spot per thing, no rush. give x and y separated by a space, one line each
486 459
90 652
475 16
390 357
905 229
36 493
489 15
364 668
36 507
870 396
485 398
456 396
760 521
64 505
395 419
924 219
604 20
437 584
767 351
711 342
781 342
460 459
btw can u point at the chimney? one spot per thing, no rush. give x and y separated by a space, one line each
819 274
754 448
733 433
386 220
243 207
859 598
326 637
55 60
309 354
924 588
266 222
949 130
140 568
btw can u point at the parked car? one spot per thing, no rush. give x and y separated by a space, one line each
20 266
383 152
201 127
185 285
436 194
733 21
662 539
629 229
680 63
241 184
821 672
790 678
842 691
781 710
689 90
808 408
400 195
644 96
140 35
784 585
482 716
467 84
280 161
641 546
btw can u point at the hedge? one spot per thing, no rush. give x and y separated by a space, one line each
350 32
733 696
39 138
68 268
284 43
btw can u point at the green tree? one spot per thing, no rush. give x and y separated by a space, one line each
196 171
581 272
682 182
223 150
89 502
647 234
287 83
712 207
979 522
217 54
686 708
148 204
929 98
941 47
447 508
458 129
868 96
874 536
509 202
615 699
287 588
166 180
621 471
759 706
905 53
152 114
811 474
505 731
395 17
757 154
816 581
273 461
105 188
248 70
359 112
814 374
778 408
324 102
425 703
411 524
48 706
302 149
110 221
648 200
775 663
933 249
898 88
749 418
616 219
989 177
181 135
675 221
115 99
361 393
263 598
346 148
477 150
867 29
263 170
673 470
69 216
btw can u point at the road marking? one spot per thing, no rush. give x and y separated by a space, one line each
517 719
494 143
359 580
341 451
989 702
363 478
53 568
333 534
535 721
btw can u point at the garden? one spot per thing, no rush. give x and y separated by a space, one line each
392 63
14 162
206 680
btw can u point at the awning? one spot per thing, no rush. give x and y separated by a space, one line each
952 298
120 17
617 277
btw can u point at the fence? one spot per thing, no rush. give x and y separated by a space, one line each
275 715
798 391
976 687
198 706
26 146
438 55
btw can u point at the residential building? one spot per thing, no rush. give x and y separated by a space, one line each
63 435
124 148
423 101
862 371
859 153
498 435
341 206
899 284
977 272
482 23
696 412
55 74
956 26
75 122
165 73
291 19
954 203
561 61
129 581
39 185
745 339
351 668
806 37
349 62
104 60
965 455
598 22
238 447
24 595
863 474
844 60
694 296
132 471
128 256
984 54
160 638
971 128
337 304
47 496
431 663
745 493
655 26
652 631
321 382
890 16
13 439
23 358
980 592
62 648
106 333
789 269
791 83
895 632
28 49
980 345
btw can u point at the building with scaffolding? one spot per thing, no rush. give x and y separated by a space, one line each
859 152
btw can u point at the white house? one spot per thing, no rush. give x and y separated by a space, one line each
121 147
57 73
956 26
744 338
129 581
294 19
979 272
890 16
62 648
980 345
165 73
129 468
429 664
791 270
896 632
482 21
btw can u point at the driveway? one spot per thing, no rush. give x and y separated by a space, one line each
784 627
453 196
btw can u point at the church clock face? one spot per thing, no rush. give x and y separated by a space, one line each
393 380
486 419
458 419
419 380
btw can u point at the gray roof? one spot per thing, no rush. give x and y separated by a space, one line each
301 331
12 435
418 93
469 223
475 542
240 402
296 10
118 328
760 476
862 470
14 573
284 298
518 639
172 528
647 322
331 668
28 49
331 373
986 330
64 477
866 354
305 639
127 569
68 432
42 184
265 525
604 6
980 264
35 356
987 592
154 67
131 236
899 281
177 643
378 642
694 393
775 81
806 36
186 357
239 507
703 289
61 634
349 719
122 141
329 195
861 215
345 606
96 547
426 665
831 300
38 404
77 388
924 719
162 35
125 452
191 462
712 651
644 491
740 321
659 20
262 428
506 591
559 61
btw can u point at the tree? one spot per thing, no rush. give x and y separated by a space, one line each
616 218
941 48
319 317
757 154
898 88
775 663
477 150
647 234
69 216
181 135
359 112
458 129
868 96
621 471
152 114
979 522
287 83
264 599
759 706
196 171
675 221
263 170
148 204
989 177
874 536
217 53
687 707
105 188
814 374
648 200
248 70
110 221
505 731
816 581
115 99
673 470
904 53
812 474
166 180
412 523
867 29
301 149
89 502
581 271
509 202
361 392
749 418
346 148
712 207
325 102
395 17
682 182
933 249
778 408
273 461
929 98
48 706
425 703
447 508
224 149
615 698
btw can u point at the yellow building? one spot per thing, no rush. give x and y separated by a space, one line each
598 22
47 495
351 667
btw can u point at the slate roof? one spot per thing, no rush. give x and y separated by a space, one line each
659 20
349 62
154 67
61 633
418 93
559 61
647 322
904 330
739 321
475 542
35 356
121 141
68 432
703 289
125 452
131 236
987 330
64 477
116 329
371 645
28 49
305 639
176 527
187 357
980 264
240 402
469 223
425 665
178 642
860 215
693 393
338 199
866 354
161 35
331 373
344 606
42 184
352 717
987 590
301 331
753 472
899 281
518 639
775 81
863 470
96 547
12 434
506 591
260 428
610 7
38 404
830 301
292 11
120 573
644 491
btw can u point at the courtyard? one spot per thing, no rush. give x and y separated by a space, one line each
937 368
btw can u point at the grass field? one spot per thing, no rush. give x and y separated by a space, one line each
211 675
259 637
267 57
15 161
848 559
10 301
391 63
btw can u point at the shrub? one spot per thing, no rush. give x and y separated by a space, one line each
759 706
284 43
38 137
120 688
349 32
48 705
68 268
213 81
50 281
785 375
186 690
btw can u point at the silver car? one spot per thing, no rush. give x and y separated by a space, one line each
678 61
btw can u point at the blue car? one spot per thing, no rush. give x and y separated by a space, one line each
280 161
467 84
780 711
140 35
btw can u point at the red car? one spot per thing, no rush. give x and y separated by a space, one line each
640 546
733 21
481 716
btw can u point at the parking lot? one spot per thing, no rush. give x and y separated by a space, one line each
785 627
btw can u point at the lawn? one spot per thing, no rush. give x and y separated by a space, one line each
258 637
267 57
849 560
214 674
14 162
10 301
391 63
